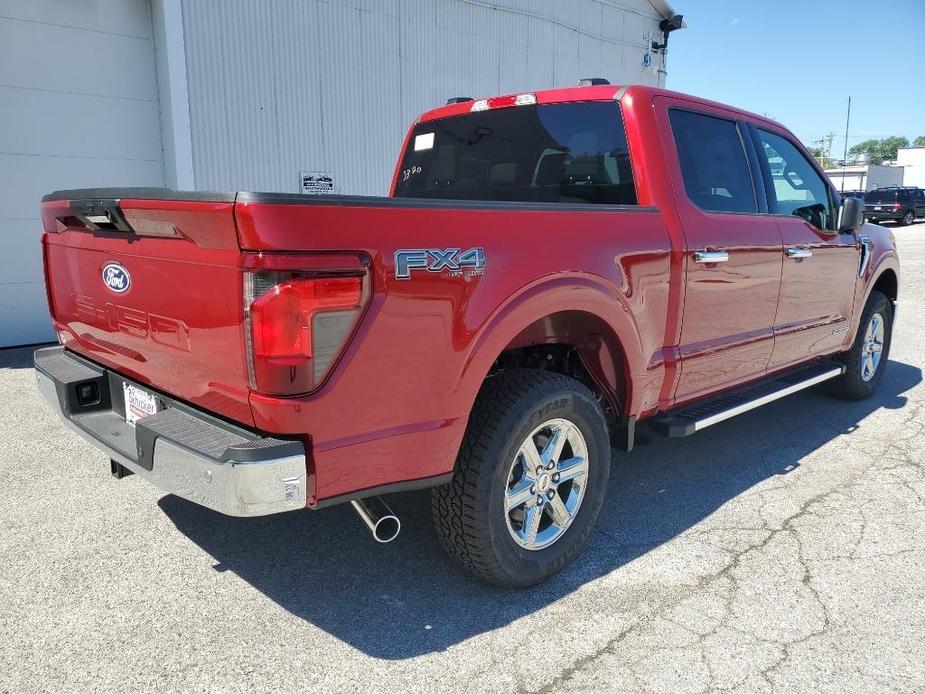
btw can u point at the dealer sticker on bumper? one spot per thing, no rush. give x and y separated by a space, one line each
138 403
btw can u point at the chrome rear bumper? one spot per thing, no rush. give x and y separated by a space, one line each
180 450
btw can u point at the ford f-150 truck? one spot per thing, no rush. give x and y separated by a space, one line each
550 270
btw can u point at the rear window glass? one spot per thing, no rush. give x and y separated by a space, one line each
571 153
713 164
881 196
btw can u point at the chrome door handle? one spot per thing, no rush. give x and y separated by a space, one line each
710 256
799 252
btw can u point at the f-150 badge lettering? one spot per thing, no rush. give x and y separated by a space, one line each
457 263
116 278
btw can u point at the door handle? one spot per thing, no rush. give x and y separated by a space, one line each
710 256
799 252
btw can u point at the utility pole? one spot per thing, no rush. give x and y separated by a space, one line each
825 150
828 148
845 162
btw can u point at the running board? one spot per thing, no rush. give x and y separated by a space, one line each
700 415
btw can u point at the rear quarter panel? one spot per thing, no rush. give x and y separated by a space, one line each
396 405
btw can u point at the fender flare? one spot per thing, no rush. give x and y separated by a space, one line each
886 261
563 292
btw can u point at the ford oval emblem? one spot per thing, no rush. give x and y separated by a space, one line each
116 278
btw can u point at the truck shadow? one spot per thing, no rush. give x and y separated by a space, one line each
20 357
406 599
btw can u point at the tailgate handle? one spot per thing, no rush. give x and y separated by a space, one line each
100 215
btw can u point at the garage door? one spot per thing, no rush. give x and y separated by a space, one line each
78 108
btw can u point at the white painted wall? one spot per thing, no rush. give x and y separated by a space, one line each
78 108
280 86
913 161
245 94
866 177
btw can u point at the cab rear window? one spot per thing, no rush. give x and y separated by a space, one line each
566 153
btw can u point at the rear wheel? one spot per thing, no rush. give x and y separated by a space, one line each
530 478
866 360
908 218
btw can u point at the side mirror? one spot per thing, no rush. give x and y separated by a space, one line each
850 215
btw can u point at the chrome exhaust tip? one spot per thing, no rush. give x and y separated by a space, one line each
379 518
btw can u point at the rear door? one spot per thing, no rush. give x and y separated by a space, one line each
733 249
820 265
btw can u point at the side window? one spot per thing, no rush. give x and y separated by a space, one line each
797 187
713 162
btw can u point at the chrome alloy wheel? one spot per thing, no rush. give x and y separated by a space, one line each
546 484
872 347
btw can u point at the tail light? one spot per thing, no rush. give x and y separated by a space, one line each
297 325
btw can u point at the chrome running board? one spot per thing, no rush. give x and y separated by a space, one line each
690 419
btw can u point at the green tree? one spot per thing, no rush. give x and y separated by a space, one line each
879 151
919 141
824 161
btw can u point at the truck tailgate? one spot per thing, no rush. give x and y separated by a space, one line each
152 288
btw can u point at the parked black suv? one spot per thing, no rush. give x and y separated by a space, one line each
901 205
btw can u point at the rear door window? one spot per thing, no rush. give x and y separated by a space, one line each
567 153
713 162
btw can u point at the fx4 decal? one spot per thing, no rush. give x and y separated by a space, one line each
469 263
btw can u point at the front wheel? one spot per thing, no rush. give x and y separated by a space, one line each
908 218
530 479
866 360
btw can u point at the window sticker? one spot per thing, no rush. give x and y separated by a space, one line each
423 142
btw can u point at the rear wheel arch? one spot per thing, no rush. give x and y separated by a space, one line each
546 304
577 344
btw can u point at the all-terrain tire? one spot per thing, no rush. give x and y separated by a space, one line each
469 513
852 385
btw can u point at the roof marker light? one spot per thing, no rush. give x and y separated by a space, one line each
480 105
525 100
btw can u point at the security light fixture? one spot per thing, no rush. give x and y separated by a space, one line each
666 26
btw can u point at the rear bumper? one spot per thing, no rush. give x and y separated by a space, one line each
878 215
180 450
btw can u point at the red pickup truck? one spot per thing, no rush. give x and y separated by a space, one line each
549 270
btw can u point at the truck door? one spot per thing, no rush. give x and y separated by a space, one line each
820 264
733 250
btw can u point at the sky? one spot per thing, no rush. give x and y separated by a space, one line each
798 62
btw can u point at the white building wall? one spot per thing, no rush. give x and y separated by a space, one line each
913 161
865 177
281 86
883 176
78 108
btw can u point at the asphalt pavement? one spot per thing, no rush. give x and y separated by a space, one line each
783 551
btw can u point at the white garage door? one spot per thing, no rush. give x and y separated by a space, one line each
78 108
